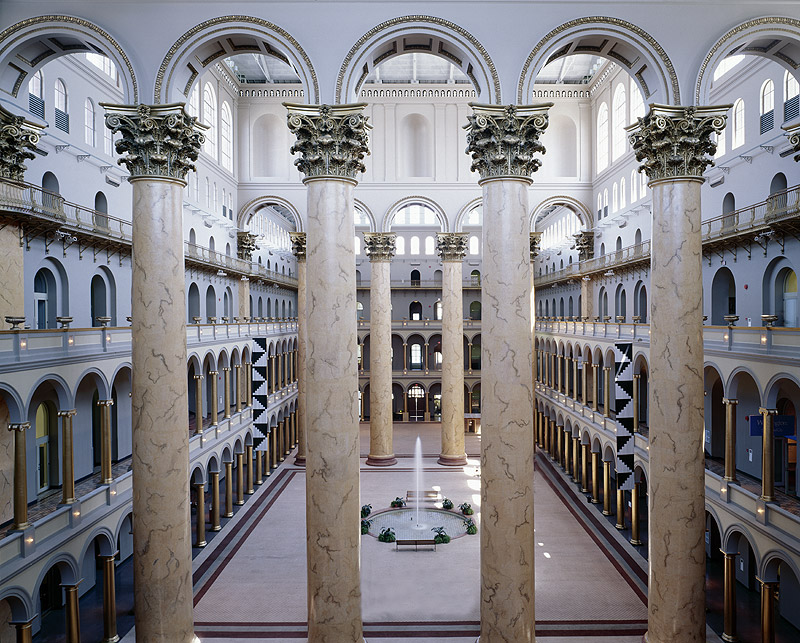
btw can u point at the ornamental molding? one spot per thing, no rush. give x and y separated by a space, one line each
332 140
380 246
503 139
160 141
608 26
429 20
675 142
227 21
584 244
66 23
245 245
18 139
793 134
536 238
298 245
452 246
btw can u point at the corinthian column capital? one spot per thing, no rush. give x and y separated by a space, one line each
451 246
298 245
584 244
536 239
332 140
380 246
18 139
158 141
675 142
793 134
503 139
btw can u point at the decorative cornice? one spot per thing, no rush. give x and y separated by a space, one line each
332 139
793 134
298 245
380 246
451 246
18 139
160 140
676 142
245 245
584 244
503 139
536 238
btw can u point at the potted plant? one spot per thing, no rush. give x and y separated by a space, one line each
441 537
387 535
365 525
472 528
366 510
466 509
447 504
398 502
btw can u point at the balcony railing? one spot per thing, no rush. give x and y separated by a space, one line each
470 282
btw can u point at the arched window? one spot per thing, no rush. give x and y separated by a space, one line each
415 310
637 238
599 208
622 195
738 124
357 244
98 299
192 237
108 144
602 138
208 193
88 122
429 246
215 194
36 94
474 245
633 187
767 106
211 244
721 147
193 106
226 136
475 310
791 97
620 121
437 310
642 185
614 198
61 96
210 119
414 245
605 202
44 300
637 101
46 447
415 277
400 245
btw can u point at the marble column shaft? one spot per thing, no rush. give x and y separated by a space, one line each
300 458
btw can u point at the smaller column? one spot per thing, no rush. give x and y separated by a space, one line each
109 600
271 388
213 406
575 362
228 490
636 392
200 525
20 475
585 469
557 439
214 484
620 507
595 477
106 476
24 631
287 435
606 487
730 438
226 393
575 454
595 385
729 602
67 466
567 440
198 403
635 514
249 458
607 391
405 357
239 479
259 476
768 589
238 388
584 387
73 625
768 455
564 368
273 447
248 384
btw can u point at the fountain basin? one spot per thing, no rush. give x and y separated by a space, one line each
403 521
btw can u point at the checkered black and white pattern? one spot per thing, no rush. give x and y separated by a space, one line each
260 396
623 382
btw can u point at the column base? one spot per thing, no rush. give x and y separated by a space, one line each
217 528
381 460
607 513
239 503
113 639
636 542
300 461
620 527
452 460
202 543
230 515
584 490
730 638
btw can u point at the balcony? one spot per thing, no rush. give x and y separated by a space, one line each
422 284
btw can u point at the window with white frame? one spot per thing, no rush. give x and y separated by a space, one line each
474 245
791 97
605 202
108 142
193 106
622 195
61 95
642 185
414 245
738 124
637 101
614 198
620 121
357 244
726 65
400 246
226 136
215 194
208 193
210 119
429 246
602 137
36 94
88 123
633 187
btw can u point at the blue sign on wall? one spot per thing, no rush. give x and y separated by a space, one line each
783 426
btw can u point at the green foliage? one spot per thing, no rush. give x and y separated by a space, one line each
466 509
365 525
387 535
472 528
366 510
447 504
441 537
398 502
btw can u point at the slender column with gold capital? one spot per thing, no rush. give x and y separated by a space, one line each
213 405
249 458
452 248
595 477
258 477
558 441
635 514
585 469
228 490
575 372
24 631
620 508
200 523
248 384
299 250
676 145
237 391
767 610
20 475
226 391
533 248
159 144
606 487
239 479
106 476
730 438
73 619
595 385
198 403
729 601
584 383
502 141
332 141
380 248
637 378
768 455
607 391
67 461
576 475
214 484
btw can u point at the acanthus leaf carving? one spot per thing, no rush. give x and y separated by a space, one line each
380 246
18 139
451 246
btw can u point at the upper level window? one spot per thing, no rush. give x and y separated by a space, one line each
429 246
474 245
357 244
599 206
226 136
620 121
108 142
602 138
726 65
210 119
36 85
400 246
193 106
614 198
61 96
767 106
721 150
791 100
605 202
622 201
89 131
414 246
637 101
633 187
738 124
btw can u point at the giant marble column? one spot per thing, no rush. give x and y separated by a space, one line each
452 247
380 250
331 141
676 146
502 141
299 250
159 144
